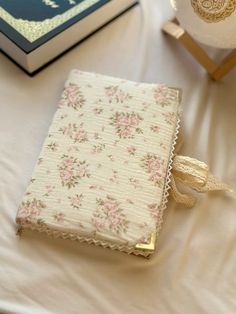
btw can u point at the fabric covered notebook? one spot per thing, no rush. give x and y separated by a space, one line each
105 167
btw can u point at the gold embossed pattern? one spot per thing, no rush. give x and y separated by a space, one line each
213 11
33 30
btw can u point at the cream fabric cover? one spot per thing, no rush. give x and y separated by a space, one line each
194 269
103 172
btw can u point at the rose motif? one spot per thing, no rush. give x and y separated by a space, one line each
109 216
72 170
76 201
75 132
116 94
163 95
126 124
30 209
72 97
155 167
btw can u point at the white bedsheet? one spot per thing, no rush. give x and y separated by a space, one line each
194 270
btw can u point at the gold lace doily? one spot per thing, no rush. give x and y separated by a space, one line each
213 11
33 30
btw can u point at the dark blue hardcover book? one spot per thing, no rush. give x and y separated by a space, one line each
33 32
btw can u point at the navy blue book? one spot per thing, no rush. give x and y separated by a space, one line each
34 32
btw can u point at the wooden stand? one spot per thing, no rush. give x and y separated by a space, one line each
216 71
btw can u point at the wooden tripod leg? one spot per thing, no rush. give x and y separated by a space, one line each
227 65
176 31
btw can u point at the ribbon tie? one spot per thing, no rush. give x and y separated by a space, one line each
193 174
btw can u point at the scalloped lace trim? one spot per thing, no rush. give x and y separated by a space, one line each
76 237
168 179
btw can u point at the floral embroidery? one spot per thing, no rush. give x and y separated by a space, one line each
115 94
163 95
72 97
126 124
169 117
53 146
31 208
154 166
75 132
71 170
109 215
59 217
76 200
131 150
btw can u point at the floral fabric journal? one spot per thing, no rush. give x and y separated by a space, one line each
105 168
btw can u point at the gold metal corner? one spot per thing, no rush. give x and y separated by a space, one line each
148 246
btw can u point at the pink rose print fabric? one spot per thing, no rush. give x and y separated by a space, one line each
109 215
163 95
126 124
102 171
72 97
155 167
116 94
30 209
75 132
76 201
72 170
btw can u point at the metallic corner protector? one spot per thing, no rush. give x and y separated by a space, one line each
148 246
